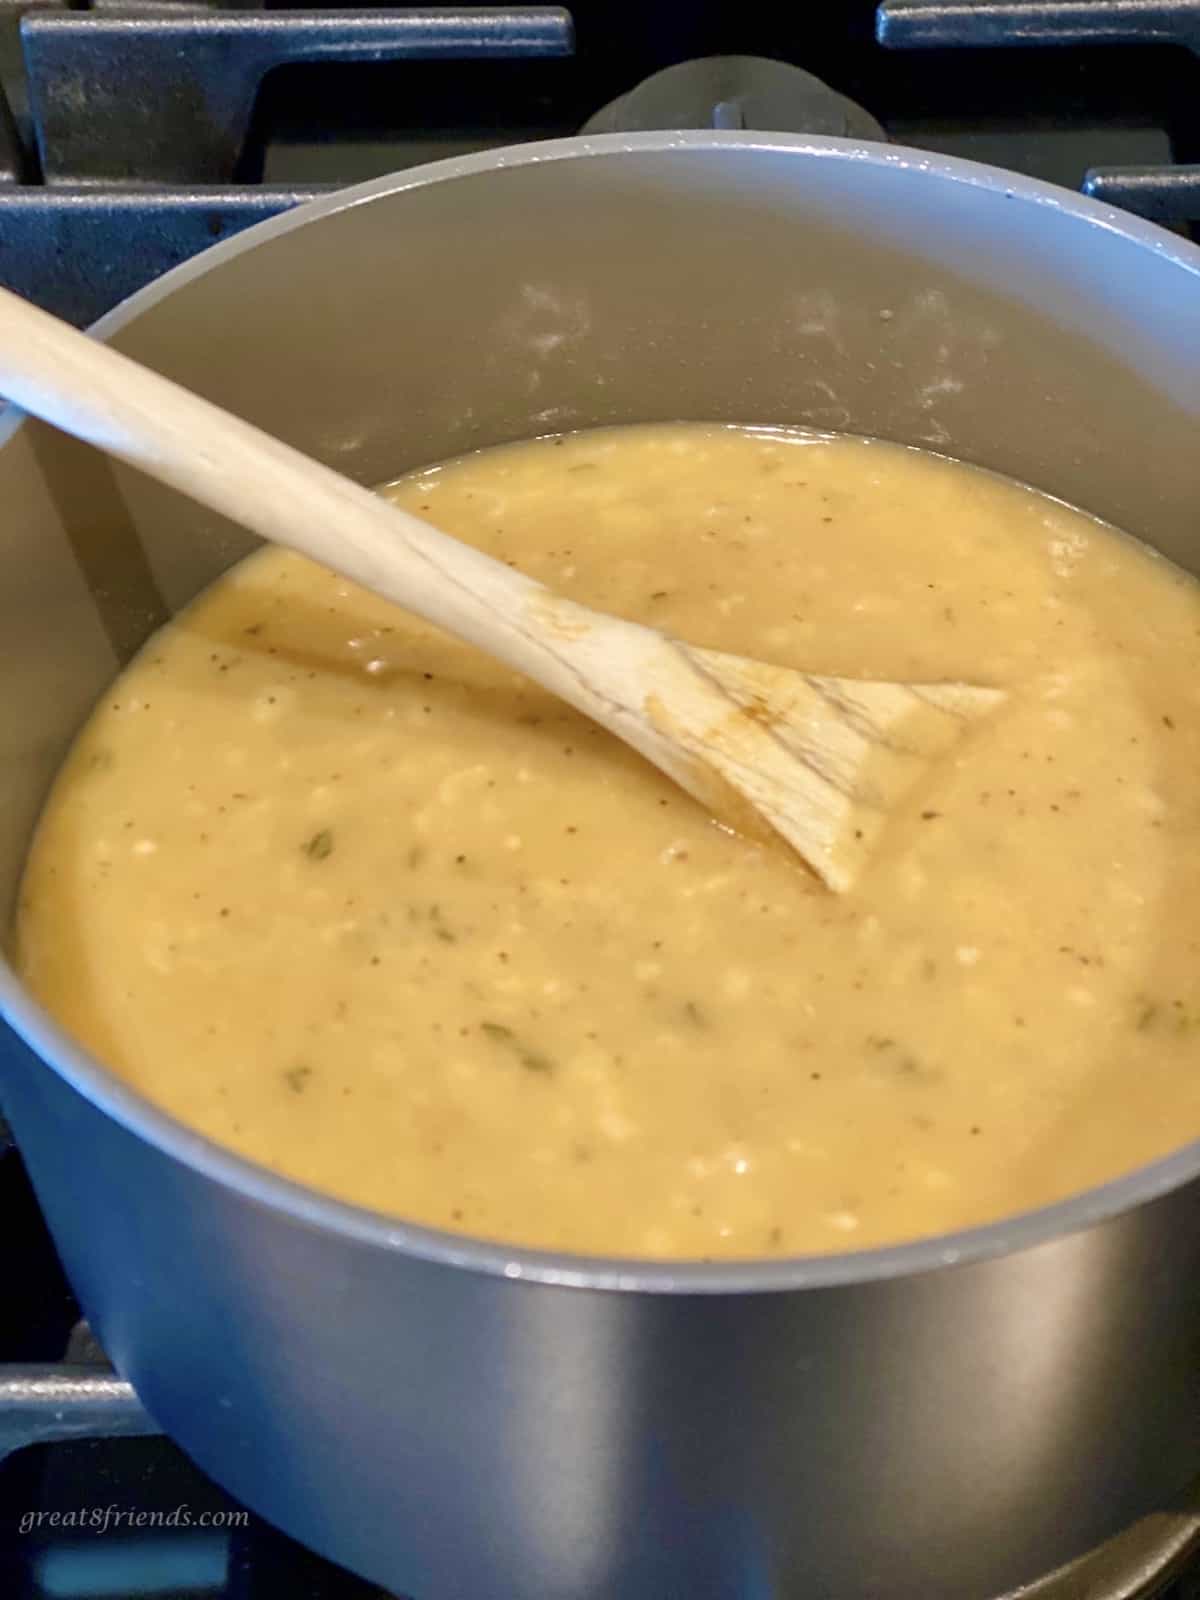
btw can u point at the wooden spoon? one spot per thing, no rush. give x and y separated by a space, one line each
819 760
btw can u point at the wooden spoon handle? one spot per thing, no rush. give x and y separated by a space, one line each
92 392
755 744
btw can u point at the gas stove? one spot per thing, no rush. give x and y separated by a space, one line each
135 133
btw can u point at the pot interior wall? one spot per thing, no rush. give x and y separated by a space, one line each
707 280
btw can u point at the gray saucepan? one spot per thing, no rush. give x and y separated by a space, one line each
452 1418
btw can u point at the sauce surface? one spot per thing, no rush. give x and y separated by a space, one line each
361 904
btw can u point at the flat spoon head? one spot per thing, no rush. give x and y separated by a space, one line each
822 761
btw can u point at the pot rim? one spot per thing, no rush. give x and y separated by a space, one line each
309 1207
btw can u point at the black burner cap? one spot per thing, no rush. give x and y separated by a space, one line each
735 92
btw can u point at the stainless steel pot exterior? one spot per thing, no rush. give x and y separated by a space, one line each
463 1422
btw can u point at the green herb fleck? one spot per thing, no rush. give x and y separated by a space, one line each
911 1067
900 1061
694 1014
531 1060
320 846
297 1078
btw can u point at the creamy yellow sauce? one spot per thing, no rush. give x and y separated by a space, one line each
356 901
